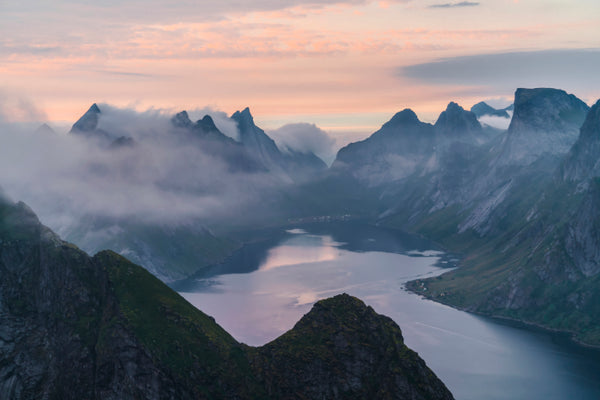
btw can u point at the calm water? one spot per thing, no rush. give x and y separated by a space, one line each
266 287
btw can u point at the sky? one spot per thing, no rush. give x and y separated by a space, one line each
345 66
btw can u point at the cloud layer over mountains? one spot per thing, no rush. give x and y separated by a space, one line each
162 175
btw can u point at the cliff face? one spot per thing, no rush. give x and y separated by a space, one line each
545 121
581 164
541 263
100 327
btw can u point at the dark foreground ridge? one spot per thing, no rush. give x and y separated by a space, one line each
81 327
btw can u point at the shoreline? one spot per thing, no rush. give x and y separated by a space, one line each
570 336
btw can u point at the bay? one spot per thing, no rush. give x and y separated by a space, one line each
265 288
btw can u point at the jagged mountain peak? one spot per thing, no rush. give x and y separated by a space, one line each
181 120
373 349
207 123
95 109
456 121
404 117
454 107
243 117
88 121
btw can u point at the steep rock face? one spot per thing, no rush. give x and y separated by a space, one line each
296 165
257 141
544 125
540 261
582 238
544 121
342 349
582 163
100 327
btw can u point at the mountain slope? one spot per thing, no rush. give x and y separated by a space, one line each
544 266
351 351
174 164
100 327
295 165
544 121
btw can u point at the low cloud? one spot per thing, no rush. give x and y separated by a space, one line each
305 138
495 121
454 5
165 177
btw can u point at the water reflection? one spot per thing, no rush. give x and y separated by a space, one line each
476 357
301 249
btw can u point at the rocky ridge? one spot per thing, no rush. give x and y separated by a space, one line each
75 326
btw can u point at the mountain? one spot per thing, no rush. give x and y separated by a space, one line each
544 121
296 165
190 164
482 108
205 134
400 148
87 125
581 164
101 327
352 352
170 251
540 263
405 146
257 141
410 168
521 206
456 124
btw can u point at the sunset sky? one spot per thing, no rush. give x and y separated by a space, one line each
344 65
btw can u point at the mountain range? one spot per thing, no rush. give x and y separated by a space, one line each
520 207
519 204
243 179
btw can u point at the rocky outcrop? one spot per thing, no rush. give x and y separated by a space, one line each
342 349
80 327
